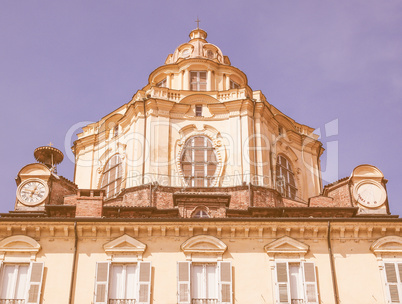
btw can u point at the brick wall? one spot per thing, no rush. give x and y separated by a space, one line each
341 195
89 207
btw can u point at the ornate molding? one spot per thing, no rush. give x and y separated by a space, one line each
203 246
125 245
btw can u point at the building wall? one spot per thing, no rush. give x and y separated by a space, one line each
357 271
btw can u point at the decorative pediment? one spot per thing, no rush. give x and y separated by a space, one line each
387 244
19 244
203 246
125 245
286 245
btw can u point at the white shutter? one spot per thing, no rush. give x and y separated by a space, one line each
102 282
282 282
225 282
391 283
310 283
35 283
183 282
144 282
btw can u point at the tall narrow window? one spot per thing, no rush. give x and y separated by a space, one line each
112 176
296 283
198 162
123 283
204 283
198 110
14 283
198 80
285 179
117 283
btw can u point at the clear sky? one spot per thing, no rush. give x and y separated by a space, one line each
65 62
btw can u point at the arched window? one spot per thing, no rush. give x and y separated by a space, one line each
285 178
112 176
198 162
200 213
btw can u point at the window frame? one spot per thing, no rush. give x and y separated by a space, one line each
198 110
191 148
233 85
33 284
288 189
196 85
118 178
200 213
285 298
185 285
162 83
103 284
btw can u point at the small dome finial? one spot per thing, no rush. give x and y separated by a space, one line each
49 156
198 33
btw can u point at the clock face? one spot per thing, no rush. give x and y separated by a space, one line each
370 195
32 192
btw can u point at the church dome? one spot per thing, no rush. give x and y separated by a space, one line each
197 47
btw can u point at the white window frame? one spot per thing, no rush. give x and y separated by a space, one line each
142 281
24 254
196 85
185 285
34 281
308 297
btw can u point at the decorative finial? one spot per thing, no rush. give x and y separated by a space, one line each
50 144
198 22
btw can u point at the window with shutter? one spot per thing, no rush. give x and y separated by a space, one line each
21 283
123 283
225 276
393 274
204 283
183 282
296 283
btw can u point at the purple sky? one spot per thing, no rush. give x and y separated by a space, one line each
64 62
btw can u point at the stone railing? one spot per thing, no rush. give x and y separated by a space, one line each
176 95
12 301
204 301
122 301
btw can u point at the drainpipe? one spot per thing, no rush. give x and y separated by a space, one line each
331 259
70 299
